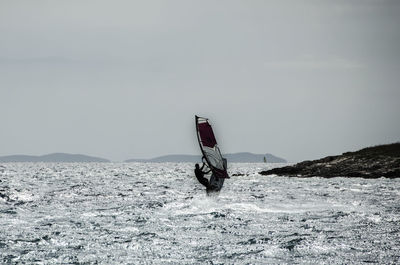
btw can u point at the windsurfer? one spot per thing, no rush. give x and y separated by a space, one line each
200 175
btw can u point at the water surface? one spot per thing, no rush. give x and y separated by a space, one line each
157 213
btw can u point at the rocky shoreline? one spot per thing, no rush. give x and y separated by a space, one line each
372 162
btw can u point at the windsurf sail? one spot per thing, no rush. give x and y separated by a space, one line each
209 148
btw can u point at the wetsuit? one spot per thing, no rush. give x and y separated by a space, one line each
200 177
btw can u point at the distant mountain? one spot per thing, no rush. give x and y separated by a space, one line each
56 157
169 158
234 158
253 158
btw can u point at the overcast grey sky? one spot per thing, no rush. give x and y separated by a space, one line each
124 79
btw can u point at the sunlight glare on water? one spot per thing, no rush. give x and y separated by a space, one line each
158 213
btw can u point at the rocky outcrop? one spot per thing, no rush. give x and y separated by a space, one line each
372 162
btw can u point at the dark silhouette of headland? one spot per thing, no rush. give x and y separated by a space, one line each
243 157
56 157
372 162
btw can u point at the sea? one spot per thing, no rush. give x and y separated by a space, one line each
157 213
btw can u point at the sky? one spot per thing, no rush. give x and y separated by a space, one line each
124 79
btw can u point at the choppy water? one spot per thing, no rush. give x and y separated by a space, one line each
158 213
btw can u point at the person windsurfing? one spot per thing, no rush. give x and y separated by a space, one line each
213 185
200 175
211 157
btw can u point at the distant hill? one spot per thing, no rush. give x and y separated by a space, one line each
169 158
246 157
56 157
234 158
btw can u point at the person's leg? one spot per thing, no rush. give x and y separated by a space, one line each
216 183
204 182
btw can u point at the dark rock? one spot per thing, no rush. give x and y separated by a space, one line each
372 162
238 174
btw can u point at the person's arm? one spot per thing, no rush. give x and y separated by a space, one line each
204 172
207 171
